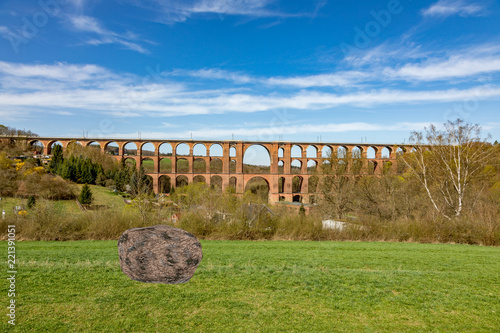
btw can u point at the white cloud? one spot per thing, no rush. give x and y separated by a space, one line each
445 8
91 25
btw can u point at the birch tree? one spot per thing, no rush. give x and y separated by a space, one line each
447 162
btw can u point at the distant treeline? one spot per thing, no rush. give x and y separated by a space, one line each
6 130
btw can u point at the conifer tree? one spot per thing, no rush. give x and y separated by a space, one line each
86 197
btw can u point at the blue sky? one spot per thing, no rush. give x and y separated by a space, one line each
335 71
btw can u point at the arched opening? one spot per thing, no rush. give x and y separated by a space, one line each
296 151
148 165
36 147
130 162
216 165
312 152
386 152
342 167
342 152
149 182
313 184
148 149
182 165
371 152
312 166
130 149
326 167
165 184
297 184
199 166
72 145
281 167
357 166
199 150
112 148
52 145
232 166
216 182
165 165
297 198
258 186
232 152
400 152
232 183
372 166
326 152
296 166
216 150
94 144
165 149
357 152
281 152
199 179
281 185
181 181
256 160
182 149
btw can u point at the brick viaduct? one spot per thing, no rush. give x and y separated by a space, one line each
176 160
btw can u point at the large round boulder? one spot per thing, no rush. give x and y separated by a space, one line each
159 254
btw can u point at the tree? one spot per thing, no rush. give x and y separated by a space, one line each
57 159
86 197
447 162
31 202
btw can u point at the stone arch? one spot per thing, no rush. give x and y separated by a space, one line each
166 165
147 149
182 149
297 184
342 152
94 144
232 152
258 186
164 184
182 165
216 150
148 165
257 160
233 181
165 149
312 152
199 149
400 151
312 166
297 198
112 148
386 167
281 184
281 152
296 166
386 152
52 144
199 166
281 166
216 182
181 181
326 152
199 179
232 166
357 152
372 167
73 143
216 165
371 152
36 147
296 151
129 149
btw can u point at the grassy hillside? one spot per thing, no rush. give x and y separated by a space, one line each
244 286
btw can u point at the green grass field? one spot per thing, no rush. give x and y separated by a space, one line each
244 286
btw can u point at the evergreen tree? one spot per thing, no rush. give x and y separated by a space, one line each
140 183
85 196
57 159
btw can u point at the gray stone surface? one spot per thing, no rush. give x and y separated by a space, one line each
159 254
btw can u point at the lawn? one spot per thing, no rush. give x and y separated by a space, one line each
244 286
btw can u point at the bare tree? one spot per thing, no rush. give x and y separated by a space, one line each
447 162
